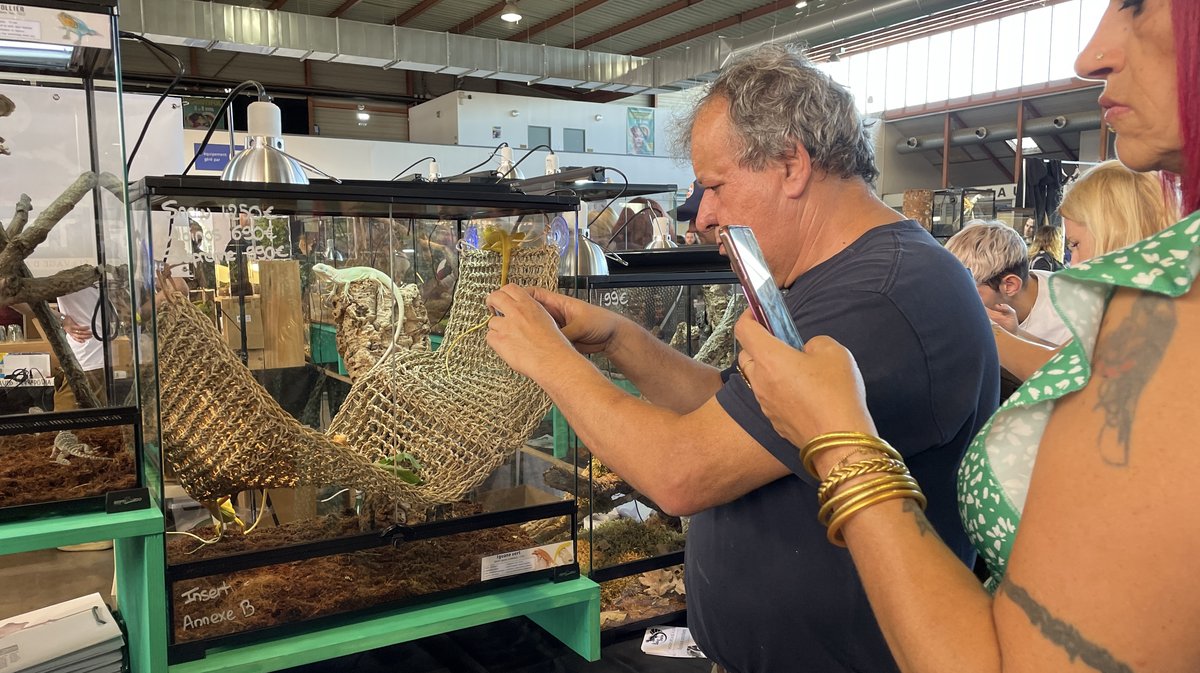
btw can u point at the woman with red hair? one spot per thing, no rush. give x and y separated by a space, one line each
1080 492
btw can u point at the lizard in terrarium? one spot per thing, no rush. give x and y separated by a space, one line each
66 444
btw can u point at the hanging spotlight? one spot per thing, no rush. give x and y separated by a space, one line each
511 13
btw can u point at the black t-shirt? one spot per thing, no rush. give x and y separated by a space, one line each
766 591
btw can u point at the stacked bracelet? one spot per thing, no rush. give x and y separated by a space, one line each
837 440
889 478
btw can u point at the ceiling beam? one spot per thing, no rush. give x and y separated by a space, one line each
714 26
414 12
343 8
634 23
986 150
557 19
1057 140
276 4
479 18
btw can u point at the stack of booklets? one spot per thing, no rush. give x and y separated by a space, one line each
77 636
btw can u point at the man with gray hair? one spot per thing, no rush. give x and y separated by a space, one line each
1016 297
779 147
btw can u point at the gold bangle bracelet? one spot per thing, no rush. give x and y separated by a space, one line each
861 451
849 495
834 532
839 476
834 440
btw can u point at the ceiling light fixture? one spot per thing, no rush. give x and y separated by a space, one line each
511 13
802 4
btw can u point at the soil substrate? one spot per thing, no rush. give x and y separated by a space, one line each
301 590
29 476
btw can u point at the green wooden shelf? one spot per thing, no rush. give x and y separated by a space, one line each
23 536
569 611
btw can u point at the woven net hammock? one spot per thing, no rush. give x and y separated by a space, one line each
460 410
223 433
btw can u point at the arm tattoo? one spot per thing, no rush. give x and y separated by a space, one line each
1063 634
1125 361
923 524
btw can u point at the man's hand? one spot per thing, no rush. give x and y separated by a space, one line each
78 332
523 333
589 328
1005 316
803 393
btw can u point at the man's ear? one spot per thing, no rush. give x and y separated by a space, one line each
798 172
1010 285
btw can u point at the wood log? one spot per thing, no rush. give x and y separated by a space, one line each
604 487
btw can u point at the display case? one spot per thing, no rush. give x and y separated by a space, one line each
953 208
688 297
77 390
338 437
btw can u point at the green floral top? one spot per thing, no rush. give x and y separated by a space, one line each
993 478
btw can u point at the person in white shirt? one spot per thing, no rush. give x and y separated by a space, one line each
77 310
1017 298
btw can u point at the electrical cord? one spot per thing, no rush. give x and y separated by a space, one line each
410 167
531 152
262 95
162 97
618 195
481 163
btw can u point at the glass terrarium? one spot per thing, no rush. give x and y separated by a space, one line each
72 295
688 297
337 435
953 208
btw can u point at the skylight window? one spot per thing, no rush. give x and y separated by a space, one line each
1028 146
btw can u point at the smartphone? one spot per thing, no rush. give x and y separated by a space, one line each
766 301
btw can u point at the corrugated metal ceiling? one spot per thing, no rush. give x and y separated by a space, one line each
444 15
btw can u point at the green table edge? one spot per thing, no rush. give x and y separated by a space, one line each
45 533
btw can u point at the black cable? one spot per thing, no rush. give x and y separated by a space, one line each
162 97
224 106
411 165
490 156
108 332
618 195
531 152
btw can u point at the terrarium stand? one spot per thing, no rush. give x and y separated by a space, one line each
569 611
140 562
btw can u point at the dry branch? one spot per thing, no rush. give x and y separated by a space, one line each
21 246
17 284
21 217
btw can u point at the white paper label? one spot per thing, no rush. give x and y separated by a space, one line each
50 26
13 29
526 560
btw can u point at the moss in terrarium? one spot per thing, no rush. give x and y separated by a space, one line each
613 539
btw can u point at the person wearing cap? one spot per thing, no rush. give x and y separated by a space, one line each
686 212
780 148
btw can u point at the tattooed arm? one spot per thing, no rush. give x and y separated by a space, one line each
1101 576
1101 572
